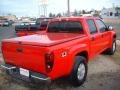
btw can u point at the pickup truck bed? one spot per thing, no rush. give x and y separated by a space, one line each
47 39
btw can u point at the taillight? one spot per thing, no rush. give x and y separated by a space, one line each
49 60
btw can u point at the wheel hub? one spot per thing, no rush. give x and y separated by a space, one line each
81 71
114 46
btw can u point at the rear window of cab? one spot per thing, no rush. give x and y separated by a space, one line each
65 26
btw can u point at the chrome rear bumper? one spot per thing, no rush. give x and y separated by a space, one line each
33 76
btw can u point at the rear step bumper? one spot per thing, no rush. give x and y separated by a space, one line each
33 76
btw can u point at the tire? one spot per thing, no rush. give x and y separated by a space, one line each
112 49
77 76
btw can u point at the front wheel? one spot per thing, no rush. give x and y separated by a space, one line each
112 49
79 72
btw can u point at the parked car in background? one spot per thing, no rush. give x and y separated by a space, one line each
30 29
21 26
26 28
6 22
24 23
1 23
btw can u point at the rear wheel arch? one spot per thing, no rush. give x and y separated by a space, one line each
81 54
71 59
84 54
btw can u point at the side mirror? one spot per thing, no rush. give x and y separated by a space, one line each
110 28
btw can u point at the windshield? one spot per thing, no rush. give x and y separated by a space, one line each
65 26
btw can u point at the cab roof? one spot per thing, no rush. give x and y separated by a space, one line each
73 18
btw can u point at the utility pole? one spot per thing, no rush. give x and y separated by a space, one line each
38 10
44 4
68 6
42 7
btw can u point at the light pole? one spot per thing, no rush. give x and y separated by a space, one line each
42 7
68 6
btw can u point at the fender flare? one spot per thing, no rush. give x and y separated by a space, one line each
72 53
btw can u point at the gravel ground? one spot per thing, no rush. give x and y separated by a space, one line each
7 32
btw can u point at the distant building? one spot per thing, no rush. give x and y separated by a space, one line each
110 12
86 15
3 18
24 19
9 17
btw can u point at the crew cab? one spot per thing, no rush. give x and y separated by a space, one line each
65 49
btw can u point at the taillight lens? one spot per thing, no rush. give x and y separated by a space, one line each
49 60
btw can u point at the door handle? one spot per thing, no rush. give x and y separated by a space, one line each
92 38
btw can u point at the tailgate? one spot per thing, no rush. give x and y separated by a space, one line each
25 56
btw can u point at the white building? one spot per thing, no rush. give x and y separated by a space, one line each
110 12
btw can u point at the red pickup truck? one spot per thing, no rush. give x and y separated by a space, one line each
63 50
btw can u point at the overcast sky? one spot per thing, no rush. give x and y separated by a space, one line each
30 7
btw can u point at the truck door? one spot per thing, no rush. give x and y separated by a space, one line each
95 44
105 36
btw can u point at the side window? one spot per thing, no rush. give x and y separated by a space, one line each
74 27
101 26
92 26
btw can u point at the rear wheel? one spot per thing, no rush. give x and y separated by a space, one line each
79 72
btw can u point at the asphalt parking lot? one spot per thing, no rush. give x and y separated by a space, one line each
7 32
103 73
